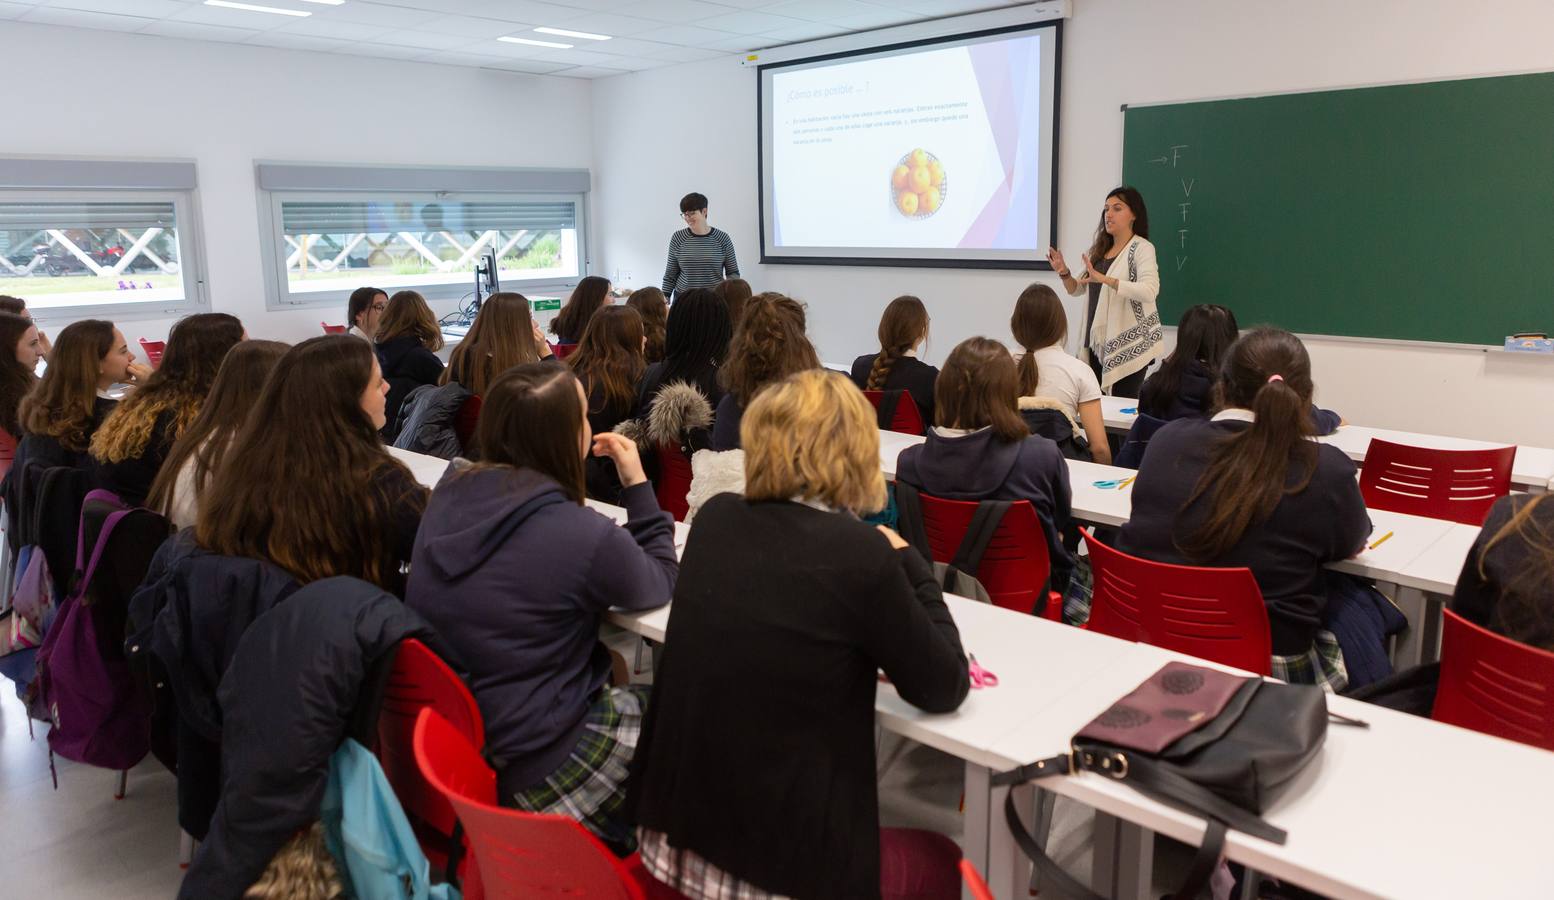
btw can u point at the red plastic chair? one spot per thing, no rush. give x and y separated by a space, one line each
1494 685
153 351
1015 565
519 854
420 680
974 883
464 423
907 419
7 451
1213 614
333 329
1456 485
565 350
674 481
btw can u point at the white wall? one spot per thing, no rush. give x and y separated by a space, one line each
92 93
661 133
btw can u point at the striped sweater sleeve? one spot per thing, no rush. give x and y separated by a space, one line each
730 264
672 268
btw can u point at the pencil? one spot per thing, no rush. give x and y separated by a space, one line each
1126 481
1381 540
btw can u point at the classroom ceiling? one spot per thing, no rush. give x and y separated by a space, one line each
643 34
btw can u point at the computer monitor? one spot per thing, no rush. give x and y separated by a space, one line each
486 280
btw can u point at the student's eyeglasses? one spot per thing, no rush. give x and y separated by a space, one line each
379 307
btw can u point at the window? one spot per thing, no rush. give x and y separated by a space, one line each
323 244
85 238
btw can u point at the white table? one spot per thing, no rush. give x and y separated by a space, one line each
1113 415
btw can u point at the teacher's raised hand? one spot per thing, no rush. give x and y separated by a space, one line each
1055 258
1096 275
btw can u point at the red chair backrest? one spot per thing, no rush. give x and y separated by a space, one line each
1015 565
420 680
332 329
565 350
1457 485
907 419
7 451
1494 685
519 854
1213 614
153 351
468 417
674 481
974 883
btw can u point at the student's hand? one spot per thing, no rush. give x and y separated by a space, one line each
1055 257
138 374
44 345
896 541
540 344
622 451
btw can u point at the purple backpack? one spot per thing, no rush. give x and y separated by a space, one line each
98 716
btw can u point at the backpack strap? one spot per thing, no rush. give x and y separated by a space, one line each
109 524
909 516
984 523
100 496
889 400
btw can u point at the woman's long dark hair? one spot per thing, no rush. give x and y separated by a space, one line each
1038 322
649 302
15 379
60 405
226 410
1524 612
407 313
501 337
978 388
1204 335
609 359
770 346
1135 202
507 434
590 295
904 323
195 348
1268 372
736 292
697 337
310 497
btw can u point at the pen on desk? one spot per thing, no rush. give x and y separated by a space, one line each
1381 540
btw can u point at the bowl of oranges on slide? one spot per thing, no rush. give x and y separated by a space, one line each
918 185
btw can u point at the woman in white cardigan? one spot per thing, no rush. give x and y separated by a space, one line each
1123 279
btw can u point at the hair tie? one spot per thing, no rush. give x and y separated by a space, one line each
1273 378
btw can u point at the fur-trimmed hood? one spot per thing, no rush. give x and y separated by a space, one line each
677 409
1033 403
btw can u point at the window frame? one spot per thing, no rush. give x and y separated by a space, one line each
278 183
109 181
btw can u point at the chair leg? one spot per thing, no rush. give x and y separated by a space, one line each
118 793
636 664
185 849
1041 829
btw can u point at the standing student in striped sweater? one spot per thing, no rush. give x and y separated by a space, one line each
700 256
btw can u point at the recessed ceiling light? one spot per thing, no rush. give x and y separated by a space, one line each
252 7
519 40
574 34
326 2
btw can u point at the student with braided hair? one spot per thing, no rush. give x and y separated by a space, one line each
903 328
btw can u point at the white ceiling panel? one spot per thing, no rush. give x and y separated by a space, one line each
646 34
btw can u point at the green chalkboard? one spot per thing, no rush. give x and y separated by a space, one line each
1413 212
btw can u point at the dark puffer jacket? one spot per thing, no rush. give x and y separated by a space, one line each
292 694
426 422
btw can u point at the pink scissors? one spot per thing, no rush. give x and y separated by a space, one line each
980 677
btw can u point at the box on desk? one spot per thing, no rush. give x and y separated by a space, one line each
1529 343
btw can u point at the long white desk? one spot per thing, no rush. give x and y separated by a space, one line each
1532 471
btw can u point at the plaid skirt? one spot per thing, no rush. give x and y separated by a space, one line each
591 785
1323 664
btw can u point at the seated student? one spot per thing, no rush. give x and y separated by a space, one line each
764 700
16 306
198 453
654 309
981 449
1184 384
306 483
1248 488
609 364
1050 378
489 575
903 328
128 450
695 344
69 403
1505 583
408 340
591 295
20 350
364 310
767 348
735 293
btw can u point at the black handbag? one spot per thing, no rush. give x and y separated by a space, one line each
1225 766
